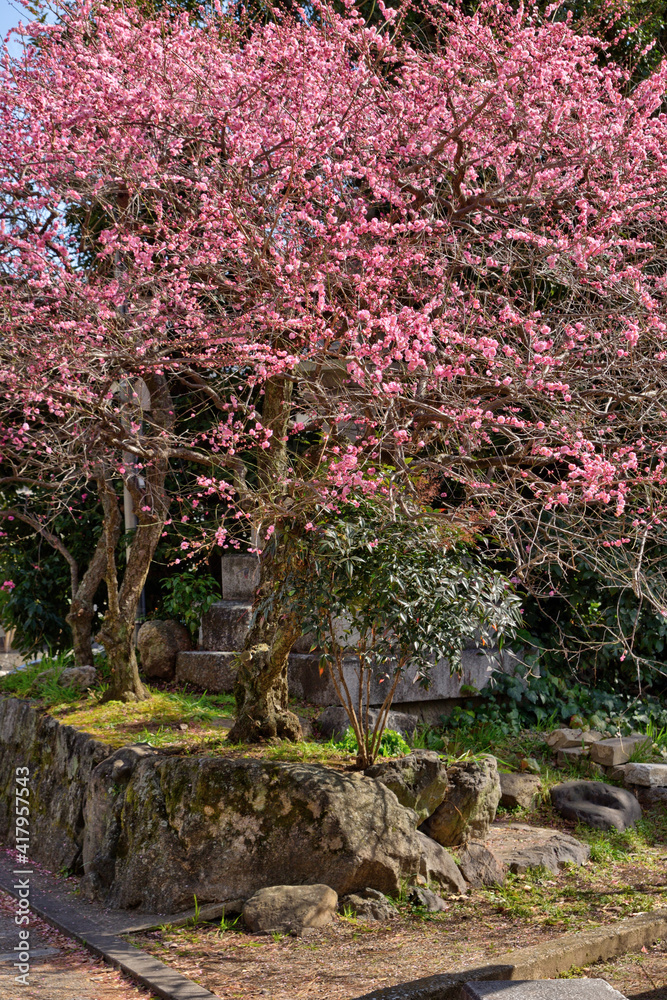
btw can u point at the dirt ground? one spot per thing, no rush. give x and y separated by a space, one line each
641 975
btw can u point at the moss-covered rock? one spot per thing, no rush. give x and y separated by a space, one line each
221 829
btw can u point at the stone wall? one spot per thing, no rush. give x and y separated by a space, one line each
61 760
151 831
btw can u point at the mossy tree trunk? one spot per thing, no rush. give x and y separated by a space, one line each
261 690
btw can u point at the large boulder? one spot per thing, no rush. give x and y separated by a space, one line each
286 909
596 804
470 803
333 722
159 643
554 854
418 780
223 828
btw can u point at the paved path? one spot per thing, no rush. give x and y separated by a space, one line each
80 923
59 970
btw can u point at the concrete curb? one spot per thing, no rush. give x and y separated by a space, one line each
143 968
540 961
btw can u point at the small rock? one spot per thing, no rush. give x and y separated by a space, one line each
419 780
333 722
553 855
159 643
519 790
45 675
480 866
648 775
438 866
470 804
530 765
285 909
650 796
78 677
369 904
617 772
571 756
617 750
428 900
597 804
183 726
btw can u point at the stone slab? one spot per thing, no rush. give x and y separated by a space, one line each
540 961
210 671
542 989
615 751
648 775
561 739
306 682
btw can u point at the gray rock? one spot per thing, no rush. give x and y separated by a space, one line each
519 790
438 866
159 643
616 773
617 750
418 780
78 677
427 899
650 796
480 866
369 904
597 804
560 850
648 775
470 804
223 828
333 722
288 909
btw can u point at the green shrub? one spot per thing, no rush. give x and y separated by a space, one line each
392 743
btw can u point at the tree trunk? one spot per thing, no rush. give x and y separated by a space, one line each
261 694
151 505
81 614
261 684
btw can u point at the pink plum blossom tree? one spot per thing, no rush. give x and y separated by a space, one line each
371 261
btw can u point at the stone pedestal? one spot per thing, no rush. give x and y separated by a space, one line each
225 625
240 577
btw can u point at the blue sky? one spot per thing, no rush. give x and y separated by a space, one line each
11 12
